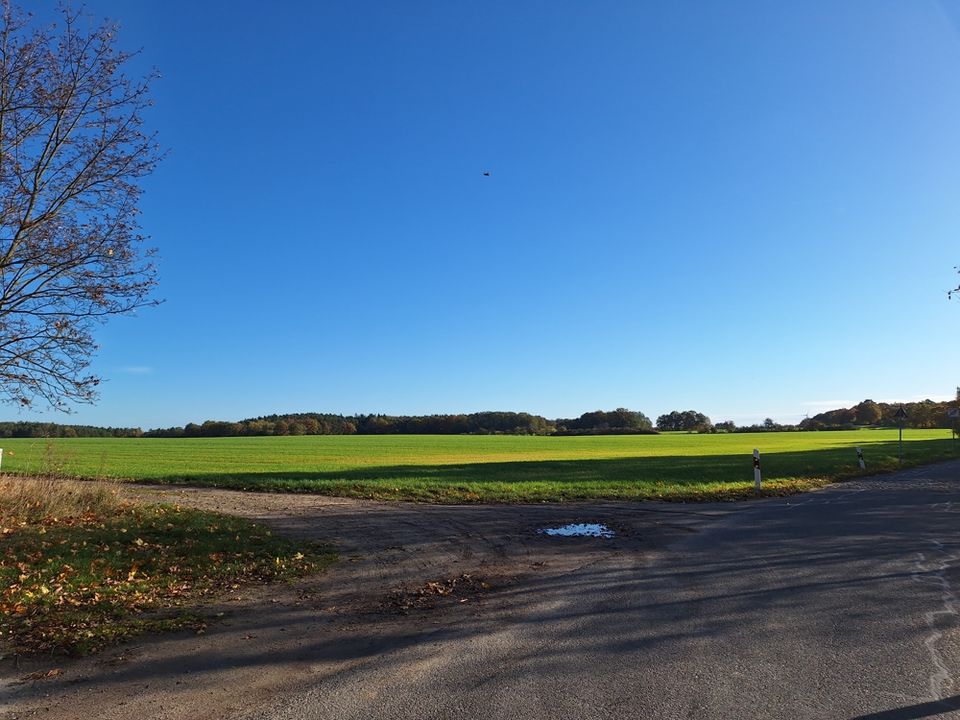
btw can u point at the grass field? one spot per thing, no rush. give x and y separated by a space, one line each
491 468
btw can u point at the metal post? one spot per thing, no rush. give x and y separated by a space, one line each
900 460
900 415
863 465
756 469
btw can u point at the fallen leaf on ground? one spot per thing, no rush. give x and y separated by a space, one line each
43 674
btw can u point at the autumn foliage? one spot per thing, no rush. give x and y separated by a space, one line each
75 583
73 151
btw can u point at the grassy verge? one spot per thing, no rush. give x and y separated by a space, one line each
80 568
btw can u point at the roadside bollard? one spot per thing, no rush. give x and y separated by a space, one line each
863 465
756 469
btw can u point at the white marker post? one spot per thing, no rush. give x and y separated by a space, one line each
863 465
756 469
1 456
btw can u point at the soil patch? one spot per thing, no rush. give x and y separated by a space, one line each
407 572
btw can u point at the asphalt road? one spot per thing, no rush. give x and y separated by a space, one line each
837 604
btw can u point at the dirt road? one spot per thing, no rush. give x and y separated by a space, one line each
408 574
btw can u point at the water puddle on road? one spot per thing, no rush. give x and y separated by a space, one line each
579 530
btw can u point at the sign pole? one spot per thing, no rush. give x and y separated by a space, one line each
954 415
901 415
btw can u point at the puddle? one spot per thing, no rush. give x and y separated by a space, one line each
579 530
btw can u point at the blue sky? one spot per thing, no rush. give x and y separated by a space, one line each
746 208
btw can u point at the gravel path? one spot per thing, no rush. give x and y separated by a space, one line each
408 575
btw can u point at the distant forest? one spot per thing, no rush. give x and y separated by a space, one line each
56 430
923 414
619 421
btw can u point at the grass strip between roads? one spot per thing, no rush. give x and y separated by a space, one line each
80 568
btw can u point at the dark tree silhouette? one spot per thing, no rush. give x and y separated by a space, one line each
72 153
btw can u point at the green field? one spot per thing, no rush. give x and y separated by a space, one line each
456 468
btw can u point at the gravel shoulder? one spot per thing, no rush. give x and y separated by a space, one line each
408 574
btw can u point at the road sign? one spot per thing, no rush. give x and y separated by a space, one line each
953 413
900 415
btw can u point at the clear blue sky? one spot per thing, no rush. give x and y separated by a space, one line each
746 208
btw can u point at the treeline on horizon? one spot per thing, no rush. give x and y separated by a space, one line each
619 421
924 414
59 430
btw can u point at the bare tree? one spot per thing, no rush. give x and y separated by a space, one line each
72 152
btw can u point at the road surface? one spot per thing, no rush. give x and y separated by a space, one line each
841 603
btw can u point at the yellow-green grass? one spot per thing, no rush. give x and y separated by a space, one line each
488 468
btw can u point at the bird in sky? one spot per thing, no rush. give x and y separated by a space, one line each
486 173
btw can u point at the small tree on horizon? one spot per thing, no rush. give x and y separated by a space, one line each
688 420
72 153
868 413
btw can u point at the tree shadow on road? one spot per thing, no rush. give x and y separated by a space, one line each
767 577
921 710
